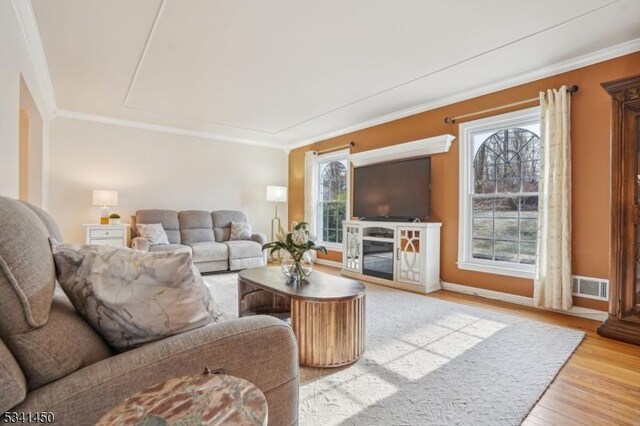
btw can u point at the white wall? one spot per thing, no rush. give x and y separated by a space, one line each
16 60
151 169
11 47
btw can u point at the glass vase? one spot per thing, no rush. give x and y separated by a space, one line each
297 271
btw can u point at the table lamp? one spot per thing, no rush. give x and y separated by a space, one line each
276 194
104 199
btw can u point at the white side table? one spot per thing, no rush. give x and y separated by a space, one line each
107 235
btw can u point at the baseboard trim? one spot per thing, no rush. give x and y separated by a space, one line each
329 263
522 300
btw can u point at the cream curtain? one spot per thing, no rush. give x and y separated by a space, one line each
311 190
552 284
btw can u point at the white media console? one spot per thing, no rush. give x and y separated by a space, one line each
404 255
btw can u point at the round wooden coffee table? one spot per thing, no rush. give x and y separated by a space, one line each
203 399
327 312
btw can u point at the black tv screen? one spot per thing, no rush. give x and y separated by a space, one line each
399 189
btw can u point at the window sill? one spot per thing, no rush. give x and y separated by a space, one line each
497 269
330 246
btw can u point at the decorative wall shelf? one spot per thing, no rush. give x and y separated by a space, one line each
419 148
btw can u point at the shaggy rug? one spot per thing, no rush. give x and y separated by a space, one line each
430 362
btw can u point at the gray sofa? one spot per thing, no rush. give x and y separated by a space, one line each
52 360
206 236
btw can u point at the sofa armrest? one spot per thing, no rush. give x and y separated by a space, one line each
260 349
140 243
259 238
262 240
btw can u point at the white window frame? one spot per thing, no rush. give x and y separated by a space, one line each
342 154
466 131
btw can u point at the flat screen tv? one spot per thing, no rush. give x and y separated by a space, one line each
394 190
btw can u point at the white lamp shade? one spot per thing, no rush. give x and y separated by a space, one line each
277 193
103 197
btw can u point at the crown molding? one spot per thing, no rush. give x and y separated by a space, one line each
159 128
28 25
602 55
31 35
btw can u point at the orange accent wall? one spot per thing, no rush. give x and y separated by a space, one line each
590 128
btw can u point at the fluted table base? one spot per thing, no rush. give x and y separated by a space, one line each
329 334
327 313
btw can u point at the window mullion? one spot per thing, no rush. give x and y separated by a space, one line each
506 195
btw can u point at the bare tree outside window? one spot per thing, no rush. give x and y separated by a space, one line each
332 200
506 171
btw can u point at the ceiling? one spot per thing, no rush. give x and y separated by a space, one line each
286 72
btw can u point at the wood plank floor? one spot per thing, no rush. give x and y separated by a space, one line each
599 385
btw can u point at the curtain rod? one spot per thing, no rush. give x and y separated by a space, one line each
451 120
335 148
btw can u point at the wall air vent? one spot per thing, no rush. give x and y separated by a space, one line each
592 288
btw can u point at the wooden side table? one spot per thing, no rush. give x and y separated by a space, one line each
203 399
107 235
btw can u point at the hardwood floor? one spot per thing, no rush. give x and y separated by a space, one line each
599 384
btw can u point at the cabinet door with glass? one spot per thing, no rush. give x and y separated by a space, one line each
624 281
353 248
409 263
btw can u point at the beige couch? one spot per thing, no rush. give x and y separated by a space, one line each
206 236
52 360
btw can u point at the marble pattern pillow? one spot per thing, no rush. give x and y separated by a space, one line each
240 231
132 297
154 232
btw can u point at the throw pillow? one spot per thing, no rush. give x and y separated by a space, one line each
154 232
240 231
132 297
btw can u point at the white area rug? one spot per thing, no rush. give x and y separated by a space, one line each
430 362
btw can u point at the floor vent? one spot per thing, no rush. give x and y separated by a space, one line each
592 288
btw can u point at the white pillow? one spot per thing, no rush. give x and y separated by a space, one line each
154 232
132 297
240 231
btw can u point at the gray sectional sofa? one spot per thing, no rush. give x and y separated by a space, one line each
52 360
206 236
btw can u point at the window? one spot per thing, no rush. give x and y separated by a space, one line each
499 175
333 177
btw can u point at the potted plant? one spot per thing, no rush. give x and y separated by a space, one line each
114 219
297 263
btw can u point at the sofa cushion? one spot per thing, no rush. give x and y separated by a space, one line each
27 274
222 234
64 345
168 219
152 232
243 249
209 251
179 248
132 297
13 385
48 341
249 262
222 223
195 226
240 231
47 221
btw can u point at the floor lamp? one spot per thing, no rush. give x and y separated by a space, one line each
277 194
